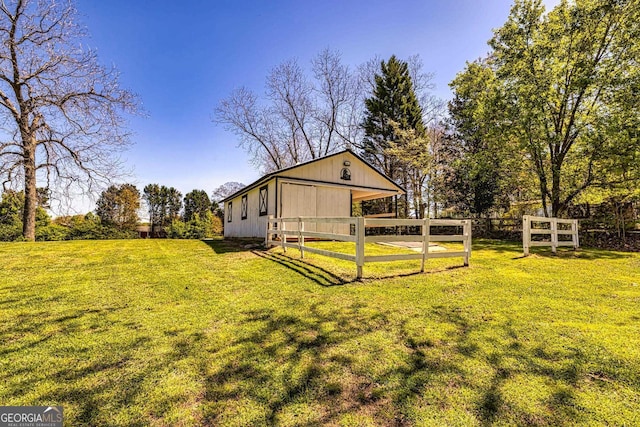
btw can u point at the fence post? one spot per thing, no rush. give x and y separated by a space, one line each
283 237
359 246
466 231
574 237
554 235
300 237
267 239
526 234
425 242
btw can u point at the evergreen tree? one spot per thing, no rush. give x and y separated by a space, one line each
164 204
393 107
394 101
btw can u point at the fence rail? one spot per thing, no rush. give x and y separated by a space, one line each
553 232
280 228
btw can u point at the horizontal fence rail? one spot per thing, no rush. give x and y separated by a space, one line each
291 233
528 231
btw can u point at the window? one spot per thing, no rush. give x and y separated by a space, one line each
243 207
229 207
263 198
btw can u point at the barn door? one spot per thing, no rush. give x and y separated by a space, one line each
298 200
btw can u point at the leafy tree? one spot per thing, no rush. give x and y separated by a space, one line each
414 153
163 203
198 227
196 202
118 206
562 75
174 204
61 112
478 170
152 195
12 205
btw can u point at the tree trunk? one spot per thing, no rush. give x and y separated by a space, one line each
30 191
556 205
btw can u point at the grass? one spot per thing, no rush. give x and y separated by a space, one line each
169 332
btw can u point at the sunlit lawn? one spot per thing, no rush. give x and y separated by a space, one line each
168 332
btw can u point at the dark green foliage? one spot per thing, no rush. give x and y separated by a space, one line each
86 227
469 158
11 212
393 100
164 203
196 202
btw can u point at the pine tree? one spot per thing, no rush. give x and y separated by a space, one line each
394 105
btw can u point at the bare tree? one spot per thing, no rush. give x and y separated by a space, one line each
301 117
60 111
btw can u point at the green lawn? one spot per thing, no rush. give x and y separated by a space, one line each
169 332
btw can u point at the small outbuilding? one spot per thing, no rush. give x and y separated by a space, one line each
324 187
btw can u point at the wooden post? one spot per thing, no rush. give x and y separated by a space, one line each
425 242
359 246
300 237
526 235
554 235
466 227
268 236
574 237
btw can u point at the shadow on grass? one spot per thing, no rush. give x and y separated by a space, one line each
319 275
324 362
313 363
580 253
223 246
289 362
326 278
502 246
563 368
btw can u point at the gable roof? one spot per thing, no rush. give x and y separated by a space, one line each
270 175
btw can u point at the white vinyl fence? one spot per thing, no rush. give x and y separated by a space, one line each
537 225
291 233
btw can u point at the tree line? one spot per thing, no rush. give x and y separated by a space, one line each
117 214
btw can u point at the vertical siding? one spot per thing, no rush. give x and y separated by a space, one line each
254 225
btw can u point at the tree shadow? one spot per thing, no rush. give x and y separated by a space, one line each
300 366
580 253
565 368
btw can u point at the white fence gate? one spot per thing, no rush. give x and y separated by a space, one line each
528 230
287 229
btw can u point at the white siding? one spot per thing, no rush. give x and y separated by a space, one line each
324 193
254 225
329 170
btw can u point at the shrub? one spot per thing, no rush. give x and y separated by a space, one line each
52 232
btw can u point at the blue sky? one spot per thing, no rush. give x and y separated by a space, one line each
181 58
